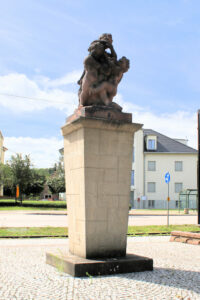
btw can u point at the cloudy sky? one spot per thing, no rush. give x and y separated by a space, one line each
42 47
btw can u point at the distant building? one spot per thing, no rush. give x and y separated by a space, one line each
2 151
154 155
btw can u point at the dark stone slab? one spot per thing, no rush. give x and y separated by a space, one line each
81 267
111 113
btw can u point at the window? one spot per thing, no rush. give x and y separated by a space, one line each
178 166
151 203
151 187
178 187
132 199
151 165
132 177
151 144
133 154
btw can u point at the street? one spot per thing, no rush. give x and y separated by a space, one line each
60 219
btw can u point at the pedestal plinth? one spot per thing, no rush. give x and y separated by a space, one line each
98 163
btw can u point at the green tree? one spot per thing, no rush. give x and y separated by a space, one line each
6 178
36 184
21 172
56 182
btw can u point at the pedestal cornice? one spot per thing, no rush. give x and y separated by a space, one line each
83 122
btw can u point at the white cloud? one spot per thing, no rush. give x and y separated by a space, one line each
43 152
180 124
44 91
67 79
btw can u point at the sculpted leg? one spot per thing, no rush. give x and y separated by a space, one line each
104 97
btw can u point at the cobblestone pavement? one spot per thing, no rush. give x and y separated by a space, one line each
25 275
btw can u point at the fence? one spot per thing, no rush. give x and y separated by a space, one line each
187 199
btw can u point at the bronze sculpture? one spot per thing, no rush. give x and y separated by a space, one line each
102 74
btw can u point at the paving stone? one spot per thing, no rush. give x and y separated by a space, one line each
25 275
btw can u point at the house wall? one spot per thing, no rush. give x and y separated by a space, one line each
138 165
165 162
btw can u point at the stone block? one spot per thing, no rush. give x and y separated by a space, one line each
98 161
81 267
185 237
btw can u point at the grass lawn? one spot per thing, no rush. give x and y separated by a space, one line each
161 211
63 231
135 230
33 231
9 204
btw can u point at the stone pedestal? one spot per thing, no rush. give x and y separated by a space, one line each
98 161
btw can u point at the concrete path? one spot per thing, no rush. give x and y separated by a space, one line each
25 275
60 219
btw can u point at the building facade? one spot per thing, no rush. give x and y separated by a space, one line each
154 155
2 151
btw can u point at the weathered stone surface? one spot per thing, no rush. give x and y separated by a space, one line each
185 237
98 185
100 112
81 267
102 73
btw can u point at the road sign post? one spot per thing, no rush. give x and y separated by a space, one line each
167 180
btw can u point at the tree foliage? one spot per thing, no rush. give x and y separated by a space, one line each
6 178
56 184
56 181
21 172
36 184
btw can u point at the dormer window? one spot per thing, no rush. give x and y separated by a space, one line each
151 142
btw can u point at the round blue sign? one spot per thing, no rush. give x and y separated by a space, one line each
167 177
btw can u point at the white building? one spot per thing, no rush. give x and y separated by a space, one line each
154 155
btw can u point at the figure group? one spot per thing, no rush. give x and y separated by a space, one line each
102 73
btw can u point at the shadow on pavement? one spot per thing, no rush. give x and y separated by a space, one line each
181 279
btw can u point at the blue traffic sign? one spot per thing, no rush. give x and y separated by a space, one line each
167 177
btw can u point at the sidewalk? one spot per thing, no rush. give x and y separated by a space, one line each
149 212
132 212
26 276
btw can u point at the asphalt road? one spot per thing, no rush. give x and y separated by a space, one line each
56 219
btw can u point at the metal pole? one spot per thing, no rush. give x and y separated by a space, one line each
198 168
168 206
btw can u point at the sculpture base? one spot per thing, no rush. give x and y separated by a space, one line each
81 267
98 161
111 112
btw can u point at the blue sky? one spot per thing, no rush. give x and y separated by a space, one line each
42 47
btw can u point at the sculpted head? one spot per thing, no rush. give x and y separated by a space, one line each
124 64
96 49
106 37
